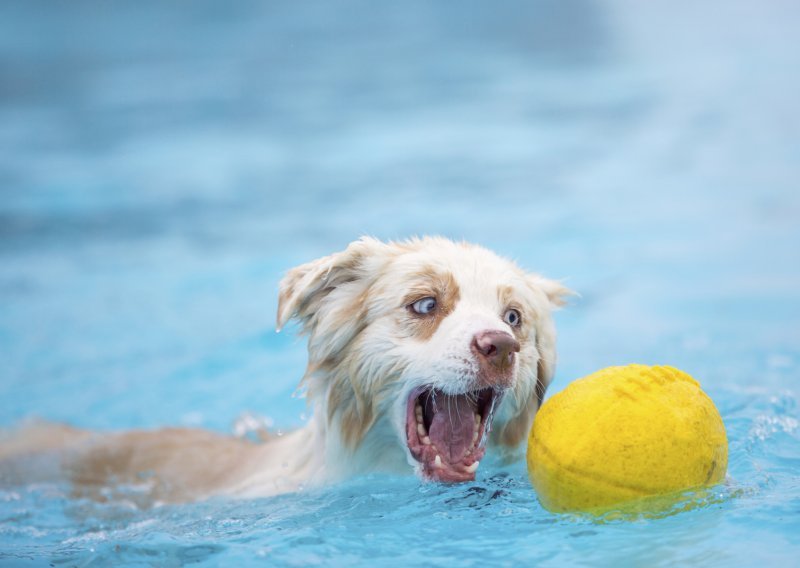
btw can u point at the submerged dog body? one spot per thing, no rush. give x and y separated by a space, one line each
420 353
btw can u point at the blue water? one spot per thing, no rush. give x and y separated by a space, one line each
162 164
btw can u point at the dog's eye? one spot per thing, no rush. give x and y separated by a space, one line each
512 317
424 306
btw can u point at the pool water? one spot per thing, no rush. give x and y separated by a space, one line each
161 165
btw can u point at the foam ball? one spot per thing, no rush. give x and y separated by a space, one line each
622 434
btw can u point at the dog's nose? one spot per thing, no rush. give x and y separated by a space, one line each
496 348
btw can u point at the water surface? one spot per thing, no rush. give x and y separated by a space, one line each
162 164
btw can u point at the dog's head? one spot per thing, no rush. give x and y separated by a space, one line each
433 342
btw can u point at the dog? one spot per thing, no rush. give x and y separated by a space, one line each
421 353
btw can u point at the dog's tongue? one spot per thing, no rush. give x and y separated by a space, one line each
452 426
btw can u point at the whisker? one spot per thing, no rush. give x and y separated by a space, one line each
449 411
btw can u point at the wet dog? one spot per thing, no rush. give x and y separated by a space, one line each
421 354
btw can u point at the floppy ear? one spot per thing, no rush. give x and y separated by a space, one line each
304 288
556 294
328 298
555 291
551 296
546 366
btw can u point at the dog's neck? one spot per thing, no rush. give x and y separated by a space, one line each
378 451
315 455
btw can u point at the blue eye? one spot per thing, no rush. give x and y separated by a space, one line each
424 306
512 317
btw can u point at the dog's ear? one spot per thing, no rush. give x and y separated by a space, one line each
556 294
328 297
554 290
304 288
552 295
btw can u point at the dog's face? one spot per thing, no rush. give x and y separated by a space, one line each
426 346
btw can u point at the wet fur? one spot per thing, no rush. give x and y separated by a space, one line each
366 353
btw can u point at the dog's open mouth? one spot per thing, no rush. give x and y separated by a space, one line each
446 433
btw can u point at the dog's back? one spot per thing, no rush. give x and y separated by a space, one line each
167 465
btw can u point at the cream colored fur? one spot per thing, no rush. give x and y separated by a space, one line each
366 354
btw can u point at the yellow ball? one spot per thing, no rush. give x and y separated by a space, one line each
624 433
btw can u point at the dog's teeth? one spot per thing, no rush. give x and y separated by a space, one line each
418 412
421 430
426 440
474 467
474 436
437 462
477 421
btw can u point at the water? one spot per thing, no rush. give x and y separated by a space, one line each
161 165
